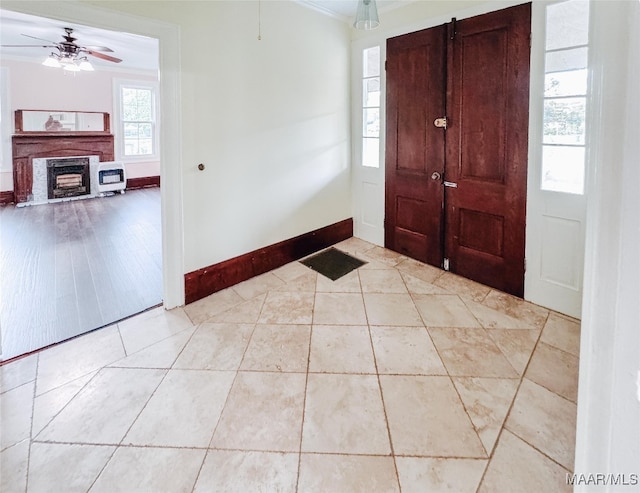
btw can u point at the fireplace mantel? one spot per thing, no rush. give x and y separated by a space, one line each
28 146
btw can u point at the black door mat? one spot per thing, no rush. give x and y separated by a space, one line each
332 263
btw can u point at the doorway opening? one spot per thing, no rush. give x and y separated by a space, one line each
78 265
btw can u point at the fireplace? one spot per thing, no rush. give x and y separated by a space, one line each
68 177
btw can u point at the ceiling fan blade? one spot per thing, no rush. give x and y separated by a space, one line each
102 56
39 39
29 46
97 48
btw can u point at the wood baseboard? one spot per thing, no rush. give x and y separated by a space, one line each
144 182
7 197
203 282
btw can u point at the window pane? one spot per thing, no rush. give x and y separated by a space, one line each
371 122
567 24
145 130
563 169
571 83
371 152
561 61
130 130
564 121
137 104
131 147
145 147
371 62
371 92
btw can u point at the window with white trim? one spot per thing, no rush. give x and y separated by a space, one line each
136 120
565 96
371 107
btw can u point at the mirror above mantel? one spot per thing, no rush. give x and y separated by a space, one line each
60 121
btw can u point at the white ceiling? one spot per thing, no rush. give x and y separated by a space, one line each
136 52
346 9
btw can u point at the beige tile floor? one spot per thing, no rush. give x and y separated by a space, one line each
396 377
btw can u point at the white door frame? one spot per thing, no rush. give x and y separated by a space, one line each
170 120
555 220
373 205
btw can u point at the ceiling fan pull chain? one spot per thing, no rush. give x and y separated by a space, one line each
259 20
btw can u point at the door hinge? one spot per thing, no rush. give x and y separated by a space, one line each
452 28
445 264
385 65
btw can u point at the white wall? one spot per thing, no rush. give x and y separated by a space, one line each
33 86
608 428
269 120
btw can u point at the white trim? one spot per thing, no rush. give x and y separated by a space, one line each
544 204
6 124
359 173
608 420
170 115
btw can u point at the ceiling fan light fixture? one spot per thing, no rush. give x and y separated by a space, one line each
85 65
71 67
52 61
367 15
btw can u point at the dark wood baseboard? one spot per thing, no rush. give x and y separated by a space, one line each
208 280
7 197
144 182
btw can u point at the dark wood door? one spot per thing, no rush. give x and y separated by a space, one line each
488 109
416 78
477 211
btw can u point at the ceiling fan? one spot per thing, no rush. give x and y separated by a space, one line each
70 54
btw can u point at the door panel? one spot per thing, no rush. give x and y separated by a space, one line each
486 156
478 69
414 146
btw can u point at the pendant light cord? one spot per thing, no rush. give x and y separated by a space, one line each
259 20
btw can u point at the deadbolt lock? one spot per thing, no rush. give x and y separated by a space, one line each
435 175
441 122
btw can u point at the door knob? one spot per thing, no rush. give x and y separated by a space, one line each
435 175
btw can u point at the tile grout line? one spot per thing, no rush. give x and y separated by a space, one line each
488 455
237 371
513 400
124 348
33 408
306 383
226 401
95 374
455 388
384 407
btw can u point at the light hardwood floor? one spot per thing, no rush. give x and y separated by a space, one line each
71 267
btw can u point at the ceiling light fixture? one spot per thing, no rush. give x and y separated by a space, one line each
367 15
52 61
68 63
85 65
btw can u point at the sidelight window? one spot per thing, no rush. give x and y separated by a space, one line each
371 107
565 96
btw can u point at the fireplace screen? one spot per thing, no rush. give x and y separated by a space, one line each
68 177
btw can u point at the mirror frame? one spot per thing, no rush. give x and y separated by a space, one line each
106 126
